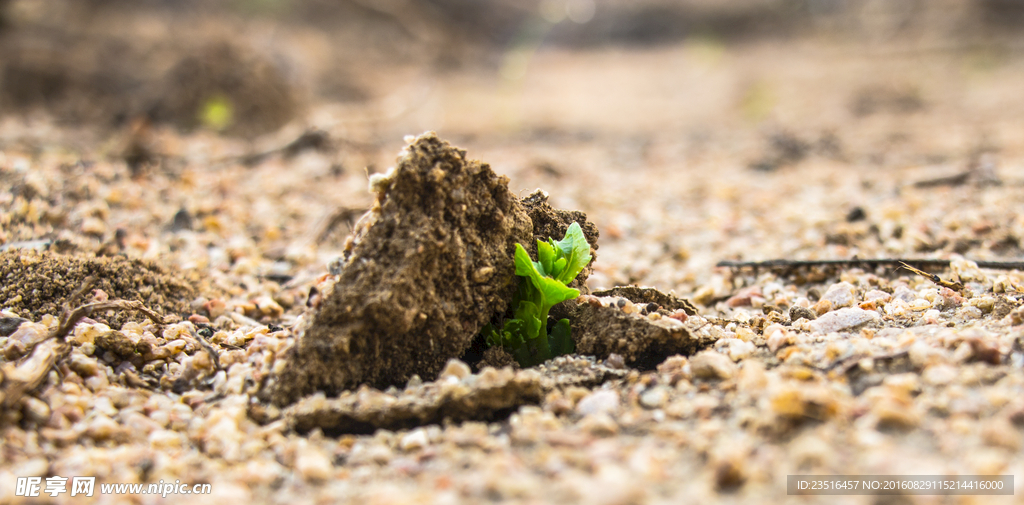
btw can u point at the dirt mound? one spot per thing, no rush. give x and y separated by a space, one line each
225 87
109 80
426 268
37 283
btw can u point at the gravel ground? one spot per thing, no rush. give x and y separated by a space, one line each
786 150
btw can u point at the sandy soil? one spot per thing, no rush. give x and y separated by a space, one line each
683 153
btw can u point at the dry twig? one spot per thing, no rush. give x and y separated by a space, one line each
954 285
786 266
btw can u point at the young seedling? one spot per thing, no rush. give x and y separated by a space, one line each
543 285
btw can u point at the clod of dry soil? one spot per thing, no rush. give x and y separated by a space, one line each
426 268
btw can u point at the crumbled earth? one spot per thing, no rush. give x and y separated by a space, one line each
643 335
456 396
40 282
646 295
424 271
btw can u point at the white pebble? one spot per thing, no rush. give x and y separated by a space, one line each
843 319
84 365
739 349
876 295
599 402
456 369
778 339
897 308
165 439
414 440
654 397
312 464
970 312
938 375
176 346
930 316
920 304
841 294
712 365
101 428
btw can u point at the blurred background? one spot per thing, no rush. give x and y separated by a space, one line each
690 131
249 67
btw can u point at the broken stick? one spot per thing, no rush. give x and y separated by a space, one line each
787 265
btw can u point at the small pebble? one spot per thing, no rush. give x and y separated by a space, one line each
877 296
712 365
939 375
739 350
822 307
778 339
36 410
654 397
165 439
312 464
101 428
920 304
841 294
616 361
602 401
895 414
599 425
970 312
797 312
198 319
414 440
843 319
673 364
456 369
84 365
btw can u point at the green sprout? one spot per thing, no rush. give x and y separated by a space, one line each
544 284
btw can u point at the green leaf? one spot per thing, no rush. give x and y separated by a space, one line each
524 265
491 336
576 250
559 267
551 290
561 338
528 313
546 255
